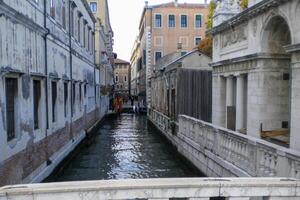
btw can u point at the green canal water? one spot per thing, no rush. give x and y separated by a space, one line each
124 147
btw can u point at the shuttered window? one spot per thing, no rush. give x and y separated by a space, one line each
36 102
54 100
65 98
11 89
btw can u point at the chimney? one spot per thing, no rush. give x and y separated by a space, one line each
176 3
146 4
179 47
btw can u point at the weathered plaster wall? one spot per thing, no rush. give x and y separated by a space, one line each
33 154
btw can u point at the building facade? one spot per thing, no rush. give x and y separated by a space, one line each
122 77
256 69
165 27
104 55
48 85
183 86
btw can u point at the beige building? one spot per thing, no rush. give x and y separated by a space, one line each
163 29
121 74
104 55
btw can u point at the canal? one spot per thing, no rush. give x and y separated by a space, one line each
124 147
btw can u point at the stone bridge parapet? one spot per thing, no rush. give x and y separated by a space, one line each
160 189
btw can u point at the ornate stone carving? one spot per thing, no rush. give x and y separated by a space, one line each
234 36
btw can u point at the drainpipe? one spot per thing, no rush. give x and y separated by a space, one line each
46 78
94 46
71 70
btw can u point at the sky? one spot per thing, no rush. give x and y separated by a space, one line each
125 16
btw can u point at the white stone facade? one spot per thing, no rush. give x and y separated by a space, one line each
48 84
255 62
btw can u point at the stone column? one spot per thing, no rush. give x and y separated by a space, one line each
240 103
229 96
229 91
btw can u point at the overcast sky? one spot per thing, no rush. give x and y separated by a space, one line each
125 16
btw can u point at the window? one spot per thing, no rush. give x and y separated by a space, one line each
93 6
198 21
11 90
52 8
197 41
79 26
65 98
125 78
88 40
64 24
72 21
158 20
54 100
80 95
117 79
183 53
144 57
85 85
158 55
172 22
36 102
73 98
184 21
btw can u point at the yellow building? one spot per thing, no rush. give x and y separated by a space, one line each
165 29
104 56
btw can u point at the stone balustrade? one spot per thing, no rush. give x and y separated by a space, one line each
253 156
160 189
219 152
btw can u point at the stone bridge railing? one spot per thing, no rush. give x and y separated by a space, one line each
254 156
159 189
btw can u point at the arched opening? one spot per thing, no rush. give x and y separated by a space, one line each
275 108
276 36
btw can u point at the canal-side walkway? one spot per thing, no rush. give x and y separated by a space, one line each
124 147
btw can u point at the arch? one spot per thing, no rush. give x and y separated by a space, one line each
276 34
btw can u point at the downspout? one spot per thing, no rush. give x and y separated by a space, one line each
71 70
46 81
94 47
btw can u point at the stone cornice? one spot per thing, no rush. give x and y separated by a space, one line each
250 57
292 48
247 14
18 17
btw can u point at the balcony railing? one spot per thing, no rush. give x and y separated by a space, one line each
159 189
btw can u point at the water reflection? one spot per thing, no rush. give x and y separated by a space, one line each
125 147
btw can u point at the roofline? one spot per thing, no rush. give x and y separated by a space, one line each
87 7
181 57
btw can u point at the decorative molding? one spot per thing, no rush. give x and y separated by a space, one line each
247 14
234 36
292 48
250 57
